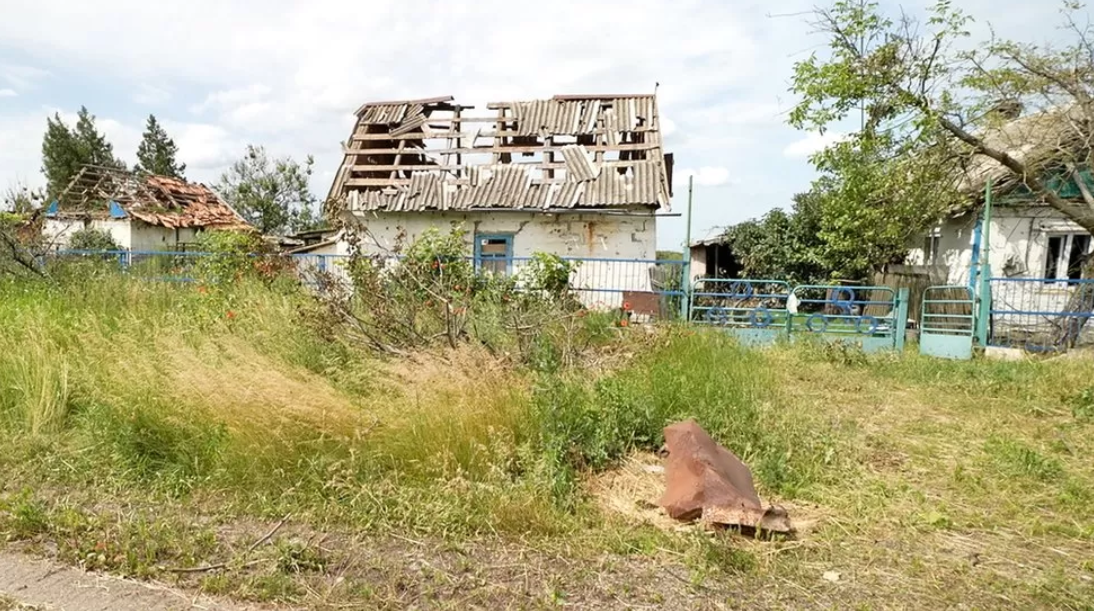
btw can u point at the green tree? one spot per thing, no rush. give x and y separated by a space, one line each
157 153
928 110
781 245
272 194
65 150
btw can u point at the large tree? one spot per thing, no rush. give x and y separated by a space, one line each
272 194
928 109
65 150
157 152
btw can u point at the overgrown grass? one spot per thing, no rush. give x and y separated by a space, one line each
182 390
144 423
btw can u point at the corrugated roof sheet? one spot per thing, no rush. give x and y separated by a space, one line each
627 168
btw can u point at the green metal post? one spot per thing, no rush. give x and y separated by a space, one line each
983 293
686 254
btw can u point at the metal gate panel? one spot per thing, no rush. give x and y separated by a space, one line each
948 324
753 311
871 317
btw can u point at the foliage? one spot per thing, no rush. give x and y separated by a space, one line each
20 199
89 238
925 109
272 194
230 256
65 150
157 152
21 244
705 376
179 437
434 291
782 246
549 273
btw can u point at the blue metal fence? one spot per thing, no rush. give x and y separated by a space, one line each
1040 314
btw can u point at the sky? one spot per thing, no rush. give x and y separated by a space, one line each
288 75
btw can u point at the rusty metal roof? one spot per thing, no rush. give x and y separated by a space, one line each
583 151
156 200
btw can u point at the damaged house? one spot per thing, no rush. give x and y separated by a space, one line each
580 176
140 212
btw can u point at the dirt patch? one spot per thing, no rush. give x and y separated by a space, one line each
632 490
28 584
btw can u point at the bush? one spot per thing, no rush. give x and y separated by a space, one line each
92 239
235 255
434 292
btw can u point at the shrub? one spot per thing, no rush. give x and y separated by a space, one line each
234 255
434 292
92 239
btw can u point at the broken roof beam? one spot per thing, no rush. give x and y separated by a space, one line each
487 134
499 148
423 102
606 96
625 163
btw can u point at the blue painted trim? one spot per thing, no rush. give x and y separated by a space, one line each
508 258
116 211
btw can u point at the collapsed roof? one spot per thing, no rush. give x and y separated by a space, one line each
98 191
572 152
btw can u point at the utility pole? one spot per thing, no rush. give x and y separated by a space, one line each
685 281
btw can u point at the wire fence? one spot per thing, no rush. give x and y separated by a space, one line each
1040 314
649 287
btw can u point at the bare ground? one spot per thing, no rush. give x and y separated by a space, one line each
30 584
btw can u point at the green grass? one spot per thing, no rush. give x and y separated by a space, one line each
146 430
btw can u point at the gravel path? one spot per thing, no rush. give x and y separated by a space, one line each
50 586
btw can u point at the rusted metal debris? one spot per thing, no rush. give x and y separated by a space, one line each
563 152
706 482
156 200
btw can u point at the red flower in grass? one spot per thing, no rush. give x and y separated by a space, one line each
624 323
202 289
230 314
626 306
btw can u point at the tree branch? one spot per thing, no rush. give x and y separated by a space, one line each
1084 217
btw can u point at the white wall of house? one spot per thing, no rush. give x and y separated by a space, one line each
1027 242
59 231
129 234
1020 242
145 237
585 235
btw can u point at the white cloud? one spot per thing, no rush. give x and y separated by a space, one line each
7 93
668 127
150 95
706 176
21 78
739 113
205 148
290 76
812 143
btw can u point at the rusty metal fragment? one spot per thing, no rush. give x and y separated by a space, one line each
706 482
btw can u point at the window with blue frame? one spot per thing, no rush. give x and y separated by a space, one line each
494 253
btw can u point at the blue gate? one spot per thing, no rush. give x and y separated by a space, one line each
871 317
948 323
755 311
